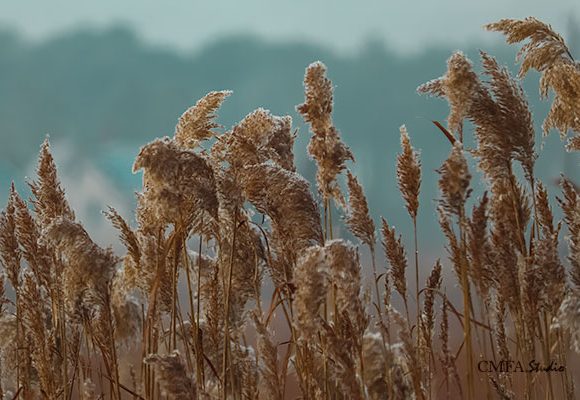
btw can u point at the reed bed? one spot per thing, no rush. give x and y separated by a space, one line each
221 216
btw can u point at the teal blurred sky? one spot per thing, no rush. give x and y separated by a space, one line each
342 25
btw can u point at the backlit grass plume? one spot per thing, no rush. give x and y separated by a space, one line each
233 285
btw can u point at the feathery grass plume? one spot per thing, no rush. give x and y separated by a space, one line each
172 376
126 310
499 327
9 249
415 368
453 246
397 256
570 204
248 261
512 120
446 358
245 371
479 249
344 349
358 219
375 365
469 98
454 186
547 53
409 181
28 236
41 335
176 180
311 281
126 234
409 173
568 318
281 141
545 215
141 264
428 319
506 236
212 326
502 391
343 262
532 290
88 268
8 350
198 122
270 376
503 122
553 275
48 197
285 197
259 137
141 275
457 86
325 146
241 251
454 181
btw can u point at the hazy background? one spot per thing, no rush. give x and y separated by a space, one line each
103 78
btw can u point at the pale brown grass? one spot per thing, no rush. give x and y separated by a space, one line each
223 215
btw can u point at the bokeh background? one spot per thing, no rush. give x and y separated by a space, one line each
103 78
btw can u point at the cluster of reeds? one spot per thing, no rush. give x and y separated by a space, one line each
221 216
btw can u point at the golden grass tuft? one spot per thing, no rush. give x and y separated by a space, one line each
184 313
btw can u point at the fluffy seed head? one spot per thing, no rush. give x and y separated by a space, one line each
409 173
197 123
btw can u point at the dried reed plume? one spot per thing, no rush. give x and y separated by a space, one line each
454 182
547 53
197 123
223 218
359 220
173 379
409 173
325 146
397 257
